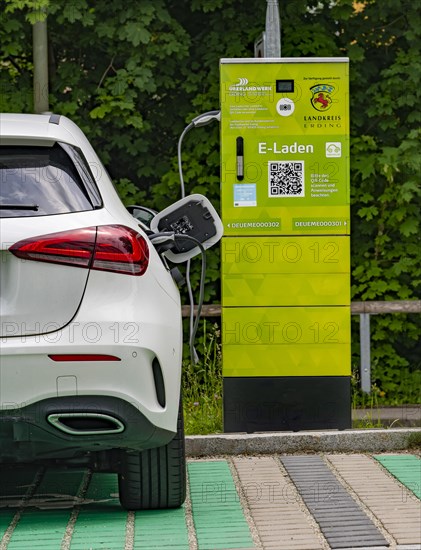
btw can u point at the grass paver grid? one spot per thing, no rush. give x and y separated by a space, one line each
406 469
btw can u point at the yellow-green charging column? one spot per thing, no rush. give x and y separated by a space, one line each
285 251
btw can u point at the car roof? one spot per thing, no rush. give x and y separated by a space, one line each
47 129
44 129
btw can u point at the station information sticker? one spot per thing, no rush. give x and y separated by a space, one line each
285 146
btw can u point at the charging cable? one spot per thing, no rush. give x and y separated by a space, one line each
165 237
201 120
197 122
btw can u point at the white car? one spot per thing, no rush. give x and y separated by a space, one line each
91 332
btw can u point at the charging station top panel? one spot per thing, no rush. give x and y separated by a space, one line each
285 146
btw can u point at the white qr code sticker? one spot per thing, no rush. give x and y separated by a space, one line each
286 178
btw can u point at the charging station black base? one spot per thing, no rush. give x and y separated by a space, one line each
289 403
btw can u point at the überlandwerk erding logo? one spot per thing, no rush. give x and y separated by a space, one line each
242 82
243 86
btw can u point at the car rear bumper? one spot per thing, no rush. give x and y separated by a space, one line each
31 370
71 427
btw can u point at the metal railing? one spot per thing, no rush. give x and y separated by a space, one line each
364 310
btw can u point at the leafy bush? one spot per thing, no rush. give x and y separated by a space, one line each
133 75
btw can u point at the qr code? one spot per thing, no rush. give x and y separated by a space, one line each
286 179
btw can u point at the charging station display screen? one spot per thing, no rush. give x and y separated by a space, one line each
285 146
284 86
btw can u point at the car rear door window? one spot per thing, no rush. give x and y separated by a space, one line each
41 181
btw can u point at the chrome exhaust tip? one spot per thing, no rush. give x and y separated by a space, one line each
86 423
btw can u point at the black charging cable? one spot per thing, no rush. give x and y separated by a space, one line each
164 238
201 120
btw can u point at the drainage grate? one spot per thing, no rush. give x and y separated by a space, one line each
341 520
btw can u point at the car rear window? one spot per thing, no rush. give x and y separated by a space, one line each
41 181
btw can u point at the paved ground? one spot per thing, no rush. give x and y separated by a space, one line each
280 502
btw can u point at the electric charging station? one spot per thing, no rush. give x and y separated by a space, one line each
285 251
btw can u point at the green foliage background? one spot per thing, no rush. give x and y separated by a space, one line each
132 74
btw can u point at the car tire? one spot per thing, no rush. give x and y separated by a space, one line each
155 478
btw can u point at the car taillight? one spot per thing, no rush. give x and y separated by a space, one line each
120 249
68 247
114 248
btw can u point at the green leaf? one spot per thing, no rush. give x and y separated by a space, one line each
409 227
134 33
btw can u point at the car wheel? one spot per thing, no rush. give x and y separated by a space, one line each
155 478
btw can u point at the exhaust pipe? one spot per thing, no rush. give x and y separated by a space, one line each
86 423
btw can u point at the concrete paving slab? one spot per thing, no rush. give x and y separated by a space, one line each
330 504
270 494
384 496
